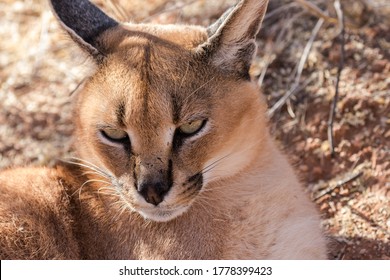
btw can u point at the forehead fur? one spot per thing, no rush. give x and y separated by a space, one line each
152 69
171 36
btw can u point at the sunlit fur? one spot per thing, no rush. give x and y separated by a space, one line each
247 203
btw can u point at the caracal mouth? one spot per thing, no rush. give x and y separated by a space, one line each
161 214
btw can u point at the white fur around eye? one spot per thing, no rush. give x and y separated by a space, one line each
203 130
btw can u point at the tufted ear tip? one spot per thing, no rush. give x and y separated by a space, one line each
231 43
84 22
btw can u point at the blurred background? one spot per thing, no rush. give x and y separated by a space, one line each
307 50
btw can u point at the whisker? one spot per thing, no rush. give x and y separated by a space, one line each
185 75
88 163
93 172
199 88
122 197
108 191
79 190
94 180
88 167
124 208
214 163
107 187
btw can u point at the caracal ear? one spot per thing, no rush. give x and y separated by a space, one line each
231 44
85 23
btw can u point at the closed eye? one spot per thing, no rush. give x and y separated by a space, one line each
115 135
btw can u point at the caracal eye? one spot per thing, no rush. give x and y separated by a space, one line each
114 135
191 127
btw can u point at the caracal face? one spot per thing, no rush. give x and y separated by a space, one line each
157 114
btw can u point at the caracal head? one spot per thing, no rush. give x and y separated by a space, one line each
170 109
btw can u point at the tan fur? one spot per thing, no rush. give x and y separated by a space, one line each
153 80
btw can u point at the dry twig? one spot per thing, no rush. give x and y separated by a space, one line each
163 9
275 46
332 113
369 220
314 10
296 85
278 10
348 178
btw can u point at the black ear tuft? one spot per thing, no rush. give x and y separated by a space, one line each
84 22
231 45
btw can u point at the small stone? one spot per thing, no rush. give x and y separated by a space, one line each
303 168
378 65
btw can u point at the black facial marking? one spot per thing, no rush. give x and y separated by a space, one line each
196 180
178 140
121 113
170 174
188 190
134 166
194 177
175 108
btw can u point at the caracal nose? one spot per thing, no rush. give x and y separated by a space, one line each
153 192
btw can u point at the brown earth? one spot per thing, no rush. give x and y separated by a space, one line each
40 67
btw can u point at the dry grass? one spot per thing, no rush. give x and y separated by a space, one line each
40 67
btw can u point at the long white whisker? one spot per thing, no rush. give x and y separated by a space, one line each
102 173
88 163
108 190
86 182
94 172
107 187
214 164
94 180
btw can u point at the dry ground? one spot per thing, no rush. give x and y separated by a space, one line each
39 68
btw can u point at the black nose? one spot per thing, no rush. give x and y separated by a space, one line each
153 192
